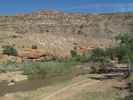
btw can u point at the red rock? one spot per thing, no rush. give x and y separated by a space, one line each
32 54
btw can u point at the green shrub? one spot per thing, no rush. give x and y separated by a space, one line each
9 50
73 53
48 69
98 54
78 58
34 47
124 39
74 56
84 58
10 66
122 51
119 52
101 60
110 53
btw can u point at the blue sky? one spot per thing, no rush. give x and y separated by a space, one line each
11 7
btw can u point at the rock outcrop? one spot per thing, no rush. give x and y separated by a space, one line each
96 25
58 31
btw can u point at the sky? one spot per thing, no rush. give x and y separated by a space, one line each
12 7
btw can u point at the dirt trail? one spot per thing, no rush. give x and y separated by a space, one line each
75 88
70 90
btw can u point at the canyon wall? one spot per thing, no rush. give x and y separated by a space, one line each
59 32
95 25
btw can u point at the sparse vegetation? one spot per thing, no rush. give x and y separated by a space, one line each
121 52
101 59
32 32
48 69
34 47
9 50
10 66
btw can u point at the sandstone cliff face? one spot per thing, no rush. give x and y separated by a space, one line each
102 25
58 29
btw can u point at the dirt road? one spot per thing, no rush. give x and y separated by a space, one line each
75 88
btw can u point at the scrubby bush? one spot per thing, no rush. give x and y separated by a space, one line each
73 53
9 50
101 60
98 67
109 52
122 51
126 41
48 69
79 58
75 57
98 54
84 58
119 52
103 56
34 47
10 66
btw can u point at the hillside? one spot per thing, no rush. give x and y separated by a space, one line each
52 50
59 32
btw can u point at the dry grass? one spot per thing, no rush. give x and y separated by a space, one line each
80 88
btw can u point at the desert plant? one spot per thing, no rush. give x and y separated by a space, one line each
101 66
101 59
98 54
34 46
9 50
73 53
126 40
10 66
47 69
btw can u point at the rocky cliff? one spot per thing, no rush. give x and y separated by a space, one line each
97 25
35 26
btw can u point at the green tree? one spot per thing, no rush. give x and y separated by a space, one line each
126 41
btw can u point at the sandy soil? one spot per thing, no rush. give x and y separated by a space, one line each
75 86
